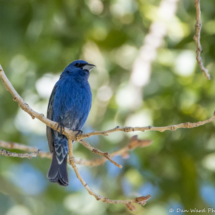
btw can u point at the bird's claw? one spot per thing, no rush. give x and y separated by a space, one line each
61 127
79 132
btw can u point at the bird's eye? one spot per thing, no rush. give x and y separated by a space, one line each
77 64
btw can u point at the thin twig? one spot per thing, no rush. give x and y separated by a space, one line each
13 154
96 151
197 39
124 152
148 128
140 200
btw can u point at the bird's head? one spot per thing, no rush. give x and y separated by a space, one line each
79 69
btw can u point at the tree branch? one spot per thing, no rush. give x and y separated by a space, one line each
96 151
197 39
148 128
134 143
13 154
12 145
140 200
124 152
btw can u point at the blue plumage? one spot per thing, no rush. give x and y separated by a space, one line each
69 105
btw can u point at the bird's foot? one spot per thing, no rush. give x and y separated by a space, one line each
79 132
61 127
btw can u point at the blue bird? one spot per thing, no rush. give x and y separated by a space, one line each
69 105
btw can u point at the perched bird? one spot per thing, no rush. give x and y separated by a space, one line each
69 105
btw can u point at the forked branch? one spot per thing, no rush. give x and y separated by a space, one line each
140 200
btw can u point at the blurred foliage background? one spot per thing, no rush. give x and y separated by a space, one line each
146 74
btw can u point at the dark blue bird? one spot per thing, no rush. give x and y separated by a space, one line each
69 105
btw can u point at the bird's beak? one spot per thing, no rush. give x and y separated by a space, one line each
88 67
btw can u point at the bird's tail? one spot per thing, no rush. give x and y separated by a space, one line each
58 172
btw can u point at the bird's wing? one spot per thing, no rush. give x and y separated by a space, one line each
49 131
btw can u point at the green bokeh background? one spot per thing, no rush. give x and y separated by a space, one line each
38 39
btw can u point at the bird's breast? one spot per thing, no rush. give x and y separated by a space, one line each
72 103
